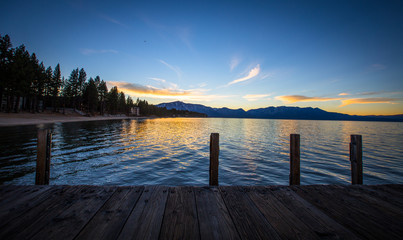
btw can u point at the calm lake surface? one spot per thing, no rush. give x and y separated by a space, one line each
175 151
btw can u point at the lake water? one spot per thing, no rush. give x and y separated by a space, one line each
175 151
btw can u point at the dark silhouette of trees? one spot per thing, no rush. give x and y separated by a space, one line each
55 85
122 103
102 92
82 77
90 96
72 88
113 100
6 53
37 85
129 104
27 85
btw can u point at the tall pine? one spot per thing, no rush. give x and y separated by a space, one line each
55 87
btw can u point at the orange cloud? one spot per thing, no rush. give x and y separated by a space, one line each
138 89
300 98
164 93
344 94
367 100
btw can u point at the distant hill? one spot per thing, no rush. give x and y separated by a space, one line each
282 112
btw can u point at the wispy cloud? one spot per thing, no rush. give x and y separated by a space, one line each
109 19
252 73
88 51
372 93
201 85
255 97
169 32
266 75
344 101
177 70
184 35
165 93
367 101
234 63
158 79
379 93
165 83
300 98
378 67
344 94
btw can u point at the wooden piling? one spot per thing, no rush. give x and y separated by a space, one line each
43 157
214 152
356 159
294 159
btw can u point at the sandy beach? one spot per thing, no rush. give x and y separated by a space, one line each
17 119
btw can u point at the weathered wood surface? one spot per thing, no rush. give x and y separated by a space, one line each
43 157
295 174
225 212
356 159
214 155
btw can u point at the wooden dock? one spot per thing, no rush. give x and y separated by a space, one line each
225 212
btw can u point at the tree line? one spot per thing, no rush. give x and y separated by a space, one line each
27 85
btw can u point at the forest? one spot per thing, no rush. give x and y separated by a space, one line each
27 85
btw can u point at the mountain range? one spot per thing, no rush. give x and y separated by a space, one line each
282 112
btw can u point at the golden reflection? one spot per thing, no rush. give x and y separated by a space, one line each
164 138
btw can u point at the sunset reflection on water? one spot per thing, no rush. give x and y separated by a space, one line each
175 151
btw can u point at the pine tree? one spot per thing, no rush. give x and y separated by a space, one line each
48 85
37 85
122 102
41 75
6 53
113 97
90 96
20 77
129 104
55 87
71 88
82 78
102 92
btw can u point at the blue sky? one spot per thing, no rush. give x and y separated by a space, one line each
344 56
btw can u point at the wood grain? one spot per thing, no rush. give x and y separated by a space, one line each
180 217
214 219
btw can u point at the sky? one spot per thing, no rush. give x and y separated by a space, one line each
340 56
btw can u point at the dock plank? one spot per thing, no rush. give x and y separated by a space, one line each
24 201
396 187
353 214
214 219
381 205
34 219
381 213
225 212
312 217
71 220
380 193
9 191
388 191
146 218
12 196
180 217
249 221
286 224
110 219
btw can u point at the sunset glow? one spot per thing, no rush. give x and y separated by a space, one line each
340 56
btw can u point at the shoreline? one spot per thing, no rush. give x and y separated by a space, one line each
21 119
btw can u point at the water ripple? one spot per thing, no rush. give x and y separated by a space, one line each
176 152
